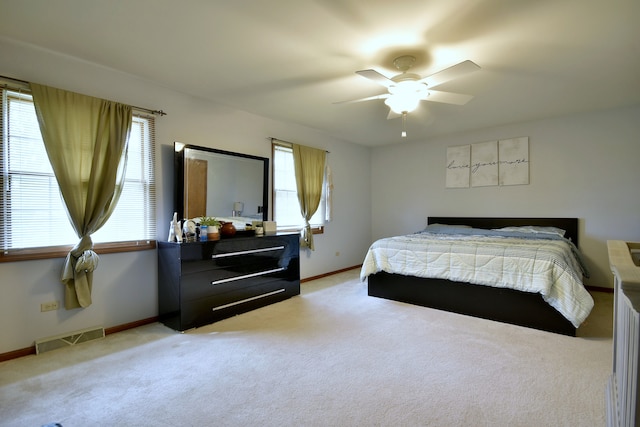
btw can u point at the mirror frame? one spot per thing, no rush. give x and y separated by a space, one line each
178 167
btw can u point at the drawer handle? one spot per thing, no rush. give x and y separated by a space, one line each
268 294
246 276
250 251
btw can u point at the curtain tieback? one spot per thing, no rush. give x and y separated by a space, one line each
83 255
88 261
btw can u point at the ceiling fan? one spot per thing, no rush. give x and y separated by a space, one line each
406 90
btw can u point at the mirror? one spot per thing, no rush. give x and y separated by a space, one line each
230 186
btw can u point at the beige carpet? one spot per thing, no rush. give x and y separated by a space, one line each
330 357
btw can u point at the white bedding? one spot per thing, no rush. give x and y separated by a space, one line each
544 266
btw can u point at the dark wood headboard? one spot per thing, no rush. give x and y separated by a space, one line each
570 225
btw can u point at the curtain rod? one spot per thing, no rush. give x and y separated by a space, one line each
287 142
18 84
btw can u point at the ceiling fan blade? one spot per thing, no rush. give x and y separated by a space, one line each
448 97
370 98
376 77
453 72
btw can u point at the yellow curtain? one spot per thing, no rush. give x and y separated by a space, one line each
86 141
309 166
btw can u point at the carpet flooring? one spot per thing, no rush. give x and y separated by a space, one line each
332 356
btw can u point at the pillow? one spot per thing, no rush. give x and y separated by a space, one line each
534 229
444 228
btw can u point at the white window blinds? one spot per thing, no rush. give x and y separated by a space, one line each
33 214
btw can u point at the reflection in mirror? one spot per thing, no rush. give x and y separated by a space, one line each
230 186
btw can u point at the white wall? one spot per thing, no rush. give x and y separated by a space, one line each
125 284
583 166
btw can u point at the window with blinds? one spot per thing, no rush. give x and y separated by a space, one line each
32 211
286 207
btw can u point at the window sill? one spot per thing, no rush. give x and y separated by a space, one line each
62 251
314 230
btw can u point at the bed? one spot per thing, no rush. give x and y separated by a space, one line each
448 274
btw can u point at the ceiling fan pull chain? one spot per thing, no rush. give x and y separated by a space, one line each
404 124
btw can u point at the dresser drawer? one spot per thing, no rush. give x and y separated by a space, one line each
216 282
234 256
240 246
206 310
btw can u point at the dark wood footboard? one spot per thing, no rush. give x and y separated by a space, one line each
503 305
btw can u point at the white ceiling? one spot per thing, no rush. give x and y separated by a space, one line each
290 60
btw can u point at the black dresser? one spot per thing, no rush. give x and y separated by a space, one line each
203 282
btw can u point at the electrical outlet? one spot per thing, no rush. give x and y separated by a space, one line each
49 306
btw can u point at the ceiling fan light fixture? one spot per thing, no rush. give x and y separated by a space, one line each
405 96
408 87
402 103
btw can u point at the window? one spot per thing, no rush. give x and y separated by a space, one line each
33 213
286 208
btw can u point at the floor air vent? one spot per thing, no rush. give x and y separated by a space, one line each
66 340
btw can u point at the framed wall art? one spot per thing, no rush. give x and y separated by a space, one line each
514 161
491 163
458 159
484 164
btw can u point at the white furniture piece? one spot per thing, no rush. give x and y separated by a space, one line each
622 388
